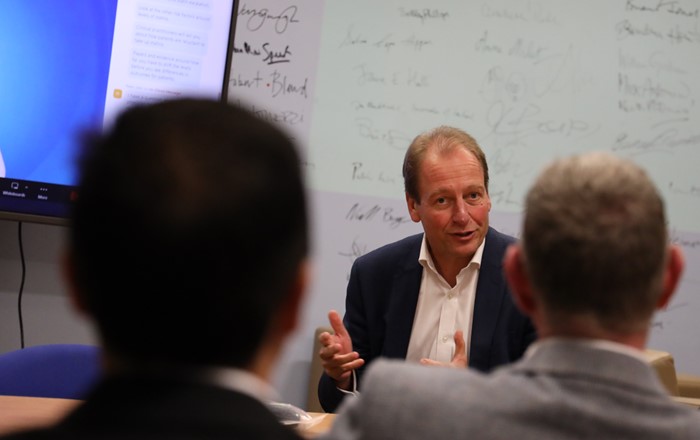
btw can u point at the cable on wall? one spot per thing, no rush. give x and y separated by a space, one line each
21 286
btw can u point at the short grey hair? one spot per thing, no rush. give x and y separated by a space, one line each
595 240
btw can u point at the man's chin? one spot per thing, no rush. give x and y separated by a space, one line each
466 247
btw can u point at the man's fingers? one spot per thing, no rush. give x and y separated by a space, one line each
460 345
328 351
339 371
344 364
459 360
336 323
325 339
353 365
332 357
338 367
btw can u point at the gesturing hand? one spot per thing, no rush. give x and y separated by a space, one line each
336 353
459 360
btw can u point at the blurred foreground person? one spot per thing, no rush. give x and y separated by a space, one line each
187 250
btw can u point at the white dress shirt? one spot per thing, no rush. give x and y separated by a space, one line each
442 309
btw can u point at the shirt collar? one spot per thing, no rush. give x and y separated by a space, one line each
235 379
240 380
426 260
600 344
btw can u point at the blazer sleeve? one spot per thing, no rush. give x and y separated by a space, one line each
355 321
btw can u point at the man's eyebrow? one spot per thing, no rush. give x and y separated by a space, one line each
446 189
438 191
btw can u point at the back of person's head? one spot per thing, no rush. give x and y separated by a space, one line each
189 228
595 241
442 139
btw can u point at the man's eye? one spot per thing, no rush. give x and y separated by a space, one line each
441 200
474 198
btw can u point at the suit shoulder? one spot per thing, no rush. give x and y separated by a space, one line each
393 252
499 238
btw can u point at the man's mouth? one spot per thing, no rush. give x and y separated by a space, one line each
465 234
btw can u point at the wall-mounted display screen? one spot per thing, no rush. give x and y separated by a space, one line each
70 66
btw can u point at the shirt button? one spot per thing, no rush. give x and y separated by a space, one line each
449 296
444 339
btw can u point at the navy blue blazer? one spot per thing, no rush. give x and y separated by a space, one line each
381 300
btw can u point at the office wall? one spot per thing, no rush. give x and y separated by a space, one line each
47 315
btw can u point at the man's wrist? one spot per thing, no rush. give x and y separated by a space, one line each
351 385
344 384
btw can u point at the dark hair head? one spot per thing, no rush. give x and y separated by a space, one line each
189 228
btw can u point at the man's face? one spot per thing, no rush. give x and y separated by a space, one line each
454 206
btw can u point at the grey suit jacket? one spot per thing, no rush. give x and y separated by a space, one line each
564 390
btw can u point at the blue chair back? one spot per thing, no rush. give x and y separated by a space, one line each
65 371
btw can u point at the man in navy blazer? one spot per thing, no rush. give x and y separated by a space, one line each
418 298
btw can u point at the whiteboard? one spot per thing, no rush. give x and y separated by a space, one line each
354 81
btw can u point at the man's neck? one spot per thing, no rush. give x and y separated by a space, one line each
582 328
449 268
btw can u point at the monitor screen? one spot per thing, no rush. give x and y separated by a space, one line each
71 66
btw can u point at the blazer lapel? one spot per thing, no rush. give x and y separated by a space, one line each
402 304
490 291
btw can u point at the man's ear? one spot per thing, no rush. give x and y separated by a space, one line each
75 293
412 211
289 313
675 262
520 286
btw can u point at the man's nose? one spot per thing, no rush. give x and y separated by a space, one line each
461 213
